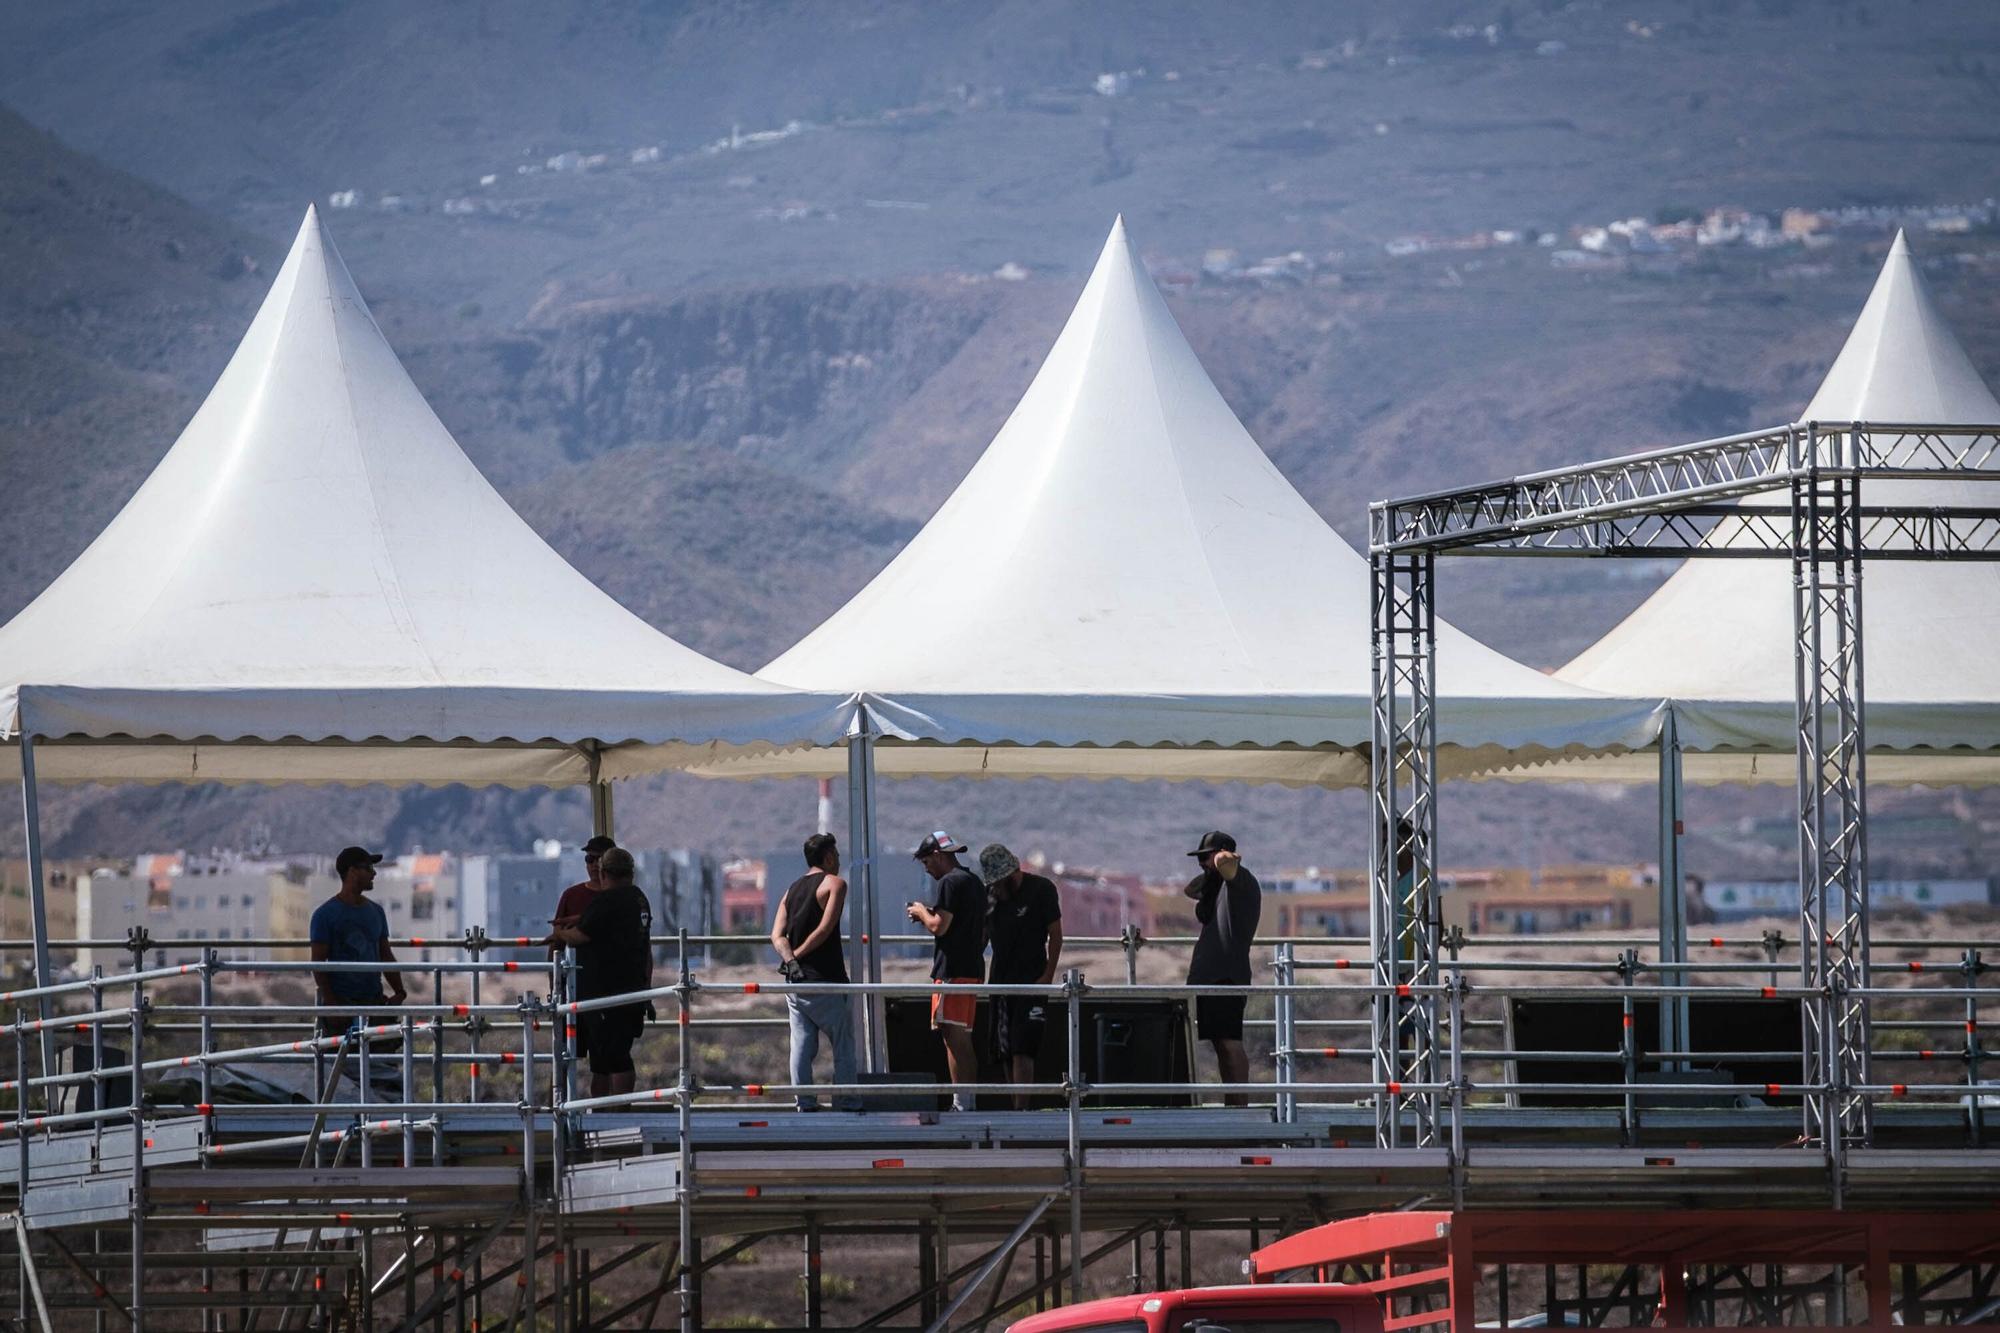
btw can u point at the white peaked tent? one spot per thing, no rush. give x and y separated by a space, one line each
1125 586
1716 638
315 584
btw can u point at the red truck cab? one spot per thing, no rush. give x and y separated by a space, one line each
1287 1308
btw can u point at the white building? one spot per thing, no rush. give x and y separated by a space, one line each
257 907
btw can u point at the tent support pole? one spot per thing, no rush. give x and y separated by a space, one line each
1673 890
864 921
600 808
600 793
38 903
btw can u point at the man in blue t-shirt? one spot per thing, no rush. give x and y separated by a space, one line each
347 928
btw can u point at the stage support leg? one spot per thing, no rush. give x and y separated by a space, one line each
1673 1293
812 1277
1876 1275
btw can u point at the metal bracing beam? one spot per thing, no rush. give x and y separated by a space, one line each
92 1282
1002 1252
29 1273
1663 478
653 1294
445 1294
931 1282
1402 899
1756 532
1053 1281
1679 480
1832 745
1886 449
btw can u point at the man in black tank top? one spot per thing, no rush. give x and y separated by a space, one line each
806 934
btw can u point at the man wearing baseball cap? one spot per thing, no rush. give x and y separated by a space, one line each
569 907
613 942
957 921
1227 901
1024 921
347 928
569 910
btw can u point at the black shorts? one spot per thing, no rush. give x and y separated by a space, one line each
1219 1017
1017 1023
606 1035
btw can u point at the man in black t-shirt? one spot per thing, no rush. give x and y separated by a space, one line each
956 919
1024 921
615 955
1227 901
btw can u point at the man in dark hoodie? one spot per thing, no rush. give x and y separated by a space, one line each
1227 901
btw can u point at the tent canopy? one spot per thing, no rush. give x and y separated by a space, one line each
1124 569
316 584
1716 637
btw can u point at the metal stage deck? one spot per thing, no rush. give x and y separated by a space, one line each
424 1159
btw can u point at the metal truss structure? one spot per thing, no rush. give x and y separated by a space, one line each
1693 501
1403 917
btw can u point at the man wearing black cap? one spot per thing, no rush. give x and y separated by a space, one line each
569 907
1227 901
569 910
957 921
615 953
347 928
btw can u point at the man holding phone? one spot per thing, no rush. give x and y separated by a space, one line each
956 919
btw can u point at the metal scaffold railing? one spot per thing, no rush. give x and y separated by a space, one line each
441 1159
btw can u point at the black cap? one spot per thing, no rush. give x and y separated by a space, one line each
934 843
1217 841
598 845
351 857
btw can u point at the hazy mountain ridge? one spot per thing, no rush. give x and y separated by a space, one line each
727 385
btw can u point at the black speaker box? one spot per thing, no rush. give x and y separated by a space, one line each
1717 1027
1124 1041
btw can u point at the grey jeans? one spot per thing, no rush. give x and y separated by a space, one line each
832 1015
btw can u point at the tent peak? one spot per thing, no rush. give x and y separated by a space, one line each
1117 247
1902 362
310 227
1122 536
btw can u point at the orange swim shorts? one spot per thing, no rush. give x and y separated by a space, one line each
954 1008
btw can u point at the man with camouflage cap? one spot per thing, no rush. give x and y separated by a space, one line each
1024 922
957 921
